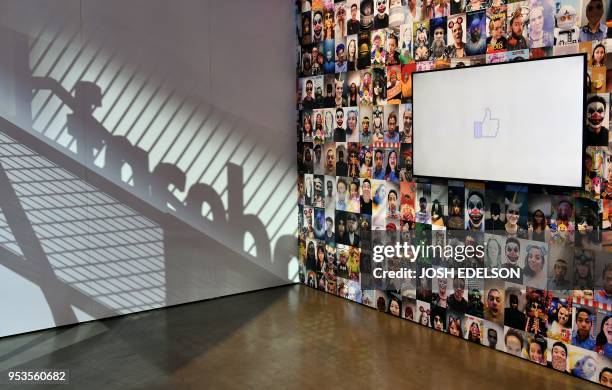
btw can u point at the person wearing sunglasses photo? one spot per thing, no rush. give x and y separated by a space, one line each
513 229
339 131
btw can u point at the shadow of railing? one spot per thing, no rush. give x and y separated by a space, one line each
44 191
186 247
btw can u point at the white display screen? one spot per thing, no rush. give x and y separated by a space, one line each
533 129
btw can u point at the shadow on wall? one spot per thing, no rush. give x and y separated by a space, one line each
98 229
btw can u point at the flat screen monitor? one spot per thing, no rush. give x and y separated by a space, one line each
515 122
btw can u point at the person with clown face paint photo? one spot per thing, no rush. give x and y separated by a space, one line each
596 115
317 27
475 211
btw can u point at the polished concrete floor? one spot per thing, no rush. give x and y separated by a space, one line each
286 337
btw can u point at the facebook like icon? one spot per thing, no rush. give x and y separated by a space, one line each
488 127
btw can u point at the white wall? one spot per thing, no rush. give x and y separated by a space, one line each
206 87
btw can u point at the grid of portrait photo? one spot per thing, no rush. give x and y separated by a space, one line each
355 60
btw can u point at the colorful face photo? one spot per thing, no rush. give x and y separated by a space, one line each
423 204
474 210
329 62
423 313
340 19
308 98
475 296
354 291
541 23
438 318
365 125
473 329
407 202
319 134
393 206
378 52
379 86
587 222
518 25
439 206
425 65
352 125
351 53
364 50
397 12
306 28
405 123
353 167
442 8
328 23
407 71
381 14
405 43
392 47
409 306
366 199
354 84
560 320
426 8
341 52
597 120
456 36
317 26
379 201
454 323
537 349
476 42
394 85
366 15
515 209
493 335
475 5
456 207
583 363
353 16
385 124
593 17
366 89
494 301
437 32
496 30
457 7
378 123
567 22
342 188
421 41
305 158
515 341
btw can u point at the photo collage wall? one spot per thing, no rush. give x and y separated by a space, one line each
355 60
